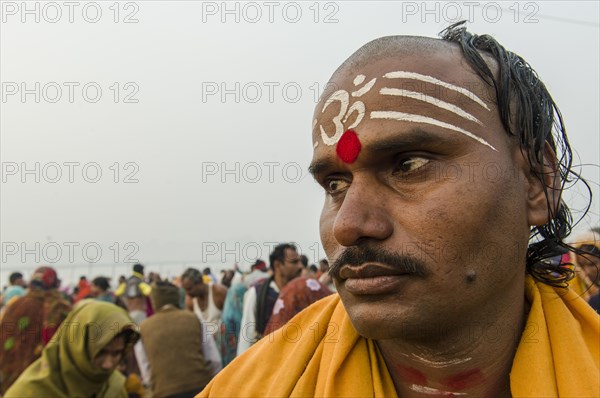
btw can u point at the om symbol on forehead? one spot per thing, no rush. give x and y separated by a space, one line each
348 143
346 110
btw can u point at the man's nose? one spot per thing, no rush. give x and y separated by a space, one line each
362 216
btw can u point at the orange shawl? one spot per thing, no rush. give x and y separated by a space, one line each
319 353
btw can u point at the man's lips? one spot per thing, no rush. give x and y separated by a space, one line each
372 279
368 270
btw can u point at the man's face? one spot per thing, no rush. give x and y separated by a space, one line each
291 266
430 221
191 288
20 282
323 266
96 290
110 356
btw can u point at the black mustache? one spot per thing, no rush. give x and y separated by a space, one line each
359 255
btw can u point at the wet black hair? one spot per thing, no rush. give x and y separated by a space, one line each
529 114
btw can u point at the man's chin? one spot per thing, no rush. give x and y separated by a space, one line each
376 320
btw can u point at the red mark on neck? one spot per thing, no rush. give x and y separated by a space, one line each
465 379
411 375
348 147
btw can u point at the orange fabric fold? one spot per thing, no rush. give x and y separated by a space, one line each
559 351
320 354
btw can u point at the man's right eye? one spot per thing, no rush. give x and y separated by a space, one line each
336 185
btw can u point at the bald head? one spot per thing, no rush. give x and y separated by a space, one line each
395 47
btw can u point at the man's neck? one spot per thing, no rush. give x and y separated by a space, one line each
473 360
280 281
203 293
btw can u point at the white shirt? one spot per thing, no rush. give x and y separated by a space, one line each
248 335
211 316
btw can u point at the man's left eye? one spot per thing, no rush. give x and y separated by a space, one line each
407 165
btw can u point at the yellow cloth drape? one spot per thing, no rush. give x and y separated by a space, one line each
66 367
319 353
559 352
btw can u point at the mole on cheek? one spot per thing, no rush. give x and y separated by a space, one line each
471 276
348 147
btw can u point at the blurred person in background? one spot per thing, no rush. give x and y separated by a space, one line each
304 262
207 272
29 323
84 289
136 295
313 272
232 276
587 266
81 359
206 300
325 277
231 320
100 290
293 298
16 288
179 370
285 264
258 272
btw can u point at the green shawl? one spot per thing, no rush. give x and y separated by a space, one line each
66 367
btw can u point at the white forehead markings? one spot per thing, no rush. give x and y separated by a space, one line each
433 391
407 117
433 80
359 79
430 100
365 89
359 107
442 364
344 99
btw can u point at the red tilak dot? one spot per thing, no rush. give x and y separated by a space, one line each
348 147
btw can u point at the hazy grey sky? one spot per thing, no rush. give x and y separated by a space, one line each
174 101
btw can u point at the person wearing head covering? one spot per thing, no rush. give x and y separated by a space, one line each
29 323
258 272
293 298
82 357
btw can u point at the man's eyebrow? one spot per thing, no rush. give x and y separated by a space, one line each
318 166
416 136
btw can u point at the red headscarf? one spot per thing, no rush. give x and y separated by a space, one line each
45 278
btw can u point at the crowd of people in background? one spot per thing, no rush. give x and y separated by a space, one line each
112 341
113 334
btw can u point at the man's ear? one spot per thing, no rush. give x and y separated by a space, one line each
544 188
